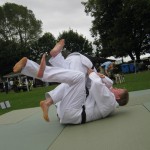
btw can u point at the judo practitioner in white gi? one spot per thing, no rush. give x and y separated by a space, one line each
100 102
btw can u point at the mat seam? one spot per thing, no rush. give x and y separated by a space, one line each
56 138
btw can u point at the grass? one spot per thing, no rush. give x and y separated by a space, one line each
23 100
136 81
133 82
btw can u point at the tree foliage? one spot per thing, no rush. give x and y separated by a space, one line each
18 24
75 42
120 27
18 29
8 56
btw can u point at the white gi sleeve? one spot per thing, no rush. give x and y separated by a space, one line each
108 82
104 98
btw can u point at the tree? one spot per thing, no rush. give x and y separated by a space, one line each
75 42
18 24
120 27
8 53
18 29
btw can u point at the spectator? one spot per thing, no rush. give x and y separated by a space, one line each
106 68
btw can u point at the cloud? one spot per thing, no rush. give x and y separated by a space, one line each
59 15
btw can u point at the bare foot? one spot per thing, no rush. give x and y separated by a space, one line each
57 49
44 108
45 104
20 64
42 67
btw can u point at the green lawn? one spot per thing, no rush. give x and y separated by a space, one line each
24 99
136 82
133 82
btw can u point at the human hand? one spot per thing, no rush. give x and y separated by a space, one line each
89 71
101 75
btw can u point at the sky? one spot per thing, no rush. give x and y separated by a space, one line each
58 15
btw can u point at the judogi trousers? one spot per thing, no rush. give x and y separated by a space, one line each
70 108
101 101
74 61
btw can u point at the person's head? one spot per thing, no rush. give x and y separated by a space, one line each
111 66
121 95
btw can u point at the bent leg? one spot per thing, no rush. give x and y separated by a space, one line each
70 108
72 97
58 93
55 96
60 75
51 74
42 67
57 48
59 61
31 69
56 74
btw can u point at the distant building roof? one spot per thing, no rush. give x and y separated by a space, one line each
12 75
97 59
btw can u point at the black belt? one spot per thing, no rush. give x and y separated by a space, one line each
87 90
83 107
83 115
